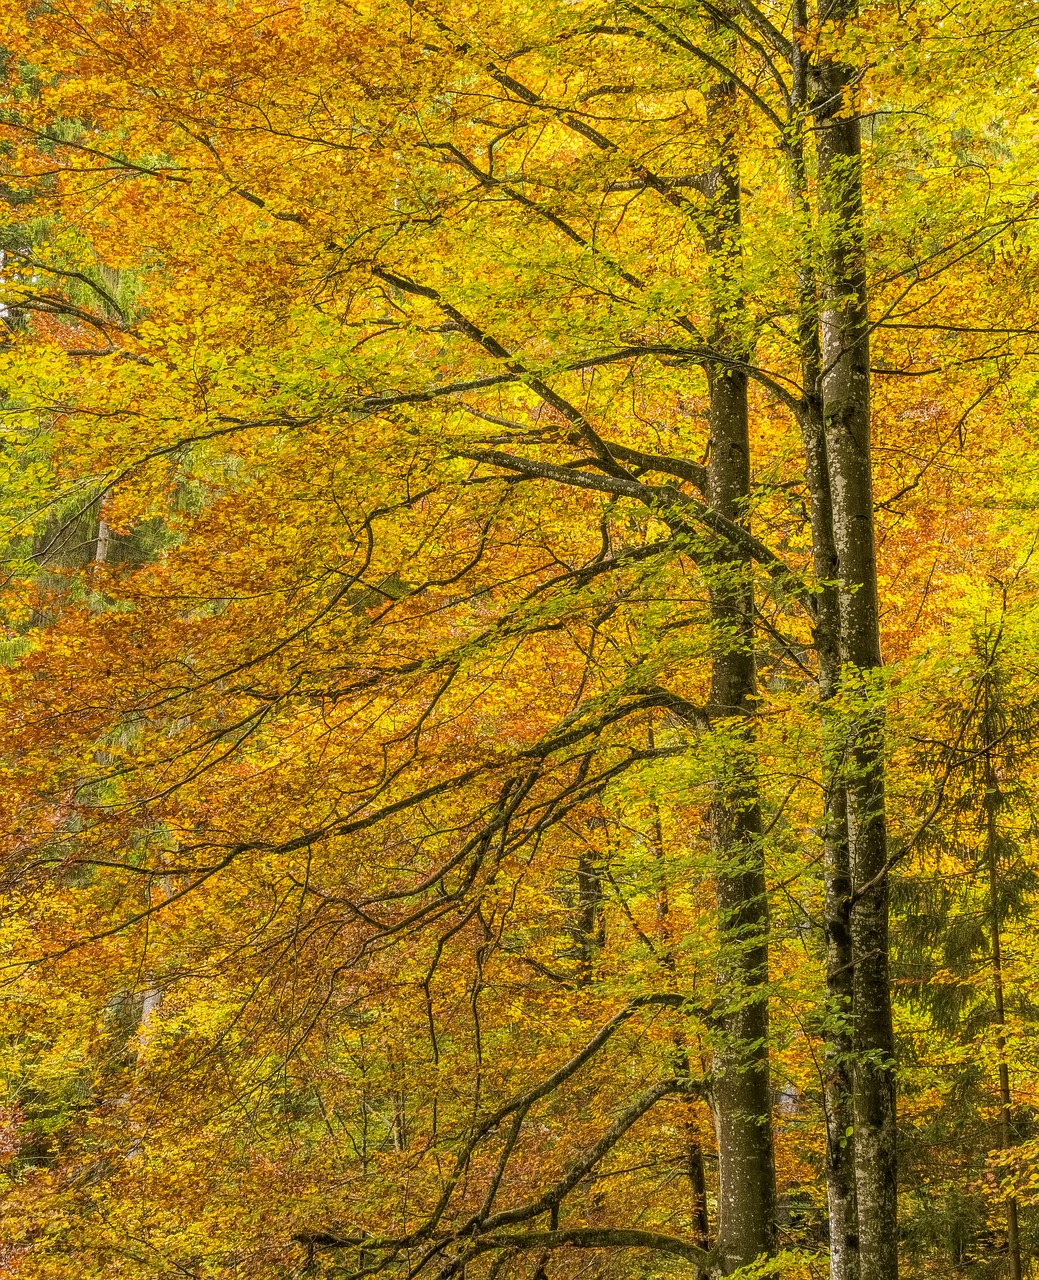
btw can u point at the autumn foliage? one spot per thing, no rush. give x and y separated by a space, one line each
420 720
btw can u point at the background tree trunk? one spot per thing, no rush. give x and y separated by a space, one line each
991 730
846 421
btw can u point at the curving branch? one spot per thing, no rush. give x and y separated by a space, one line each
571 1237
666 501
494 348
481 1232
727 73
554 1196
603 1238
681 468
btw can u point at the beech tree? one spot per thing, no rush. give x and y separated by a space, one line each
463 466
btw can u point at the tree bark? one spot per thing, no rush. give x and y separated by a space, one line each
837 1082
991 803
741 1097
694 1160
588 931
846 431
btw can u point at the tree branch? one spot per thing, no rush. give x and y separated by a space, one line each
601 1238
554 1196
493 347
694 472
662 499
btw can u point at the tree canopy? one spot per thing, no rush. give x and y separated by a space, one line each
519 655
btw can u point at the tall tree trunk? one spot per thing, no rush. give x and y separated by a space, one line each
837 1082
991 804
846 429
742 1101
694 1161
1005 1098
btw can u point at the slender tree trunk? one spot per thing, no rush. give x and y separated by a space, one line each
698 1190
100 556
588 934
1005 1097
694 1161
837 1082
742 1101
846 429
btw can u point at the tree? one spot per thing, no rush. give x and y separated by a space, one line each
955 957
497 389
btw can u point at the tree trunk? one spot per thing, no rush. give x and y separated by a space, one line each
694 1161
991 802
846 428
698 1190
837 1082
587 932
742 1101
